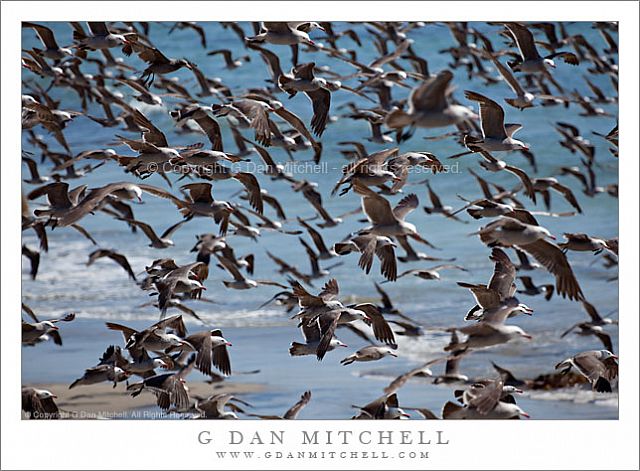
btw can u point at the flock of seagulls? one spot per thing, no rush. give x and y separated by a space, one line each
159 359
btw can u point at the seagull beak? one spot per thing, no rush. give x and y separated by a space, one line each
229 344
344 345
615 357
524 414
553 237
527 336
54 396
55 328
519 391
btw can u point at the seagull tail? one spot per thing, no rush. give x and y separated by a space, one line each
450 410
296 349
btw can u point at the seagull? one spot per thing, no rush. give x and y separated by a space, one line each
292 412
497 296
429 106
496 135
99 374
431 273
543 185
386 221
530 60
213 407
586 329
39 403
368 245
369 353
487 334
239 280
52 50
169 388
385 407
581 242
311 334
154 338
161 242
367 171
531 289
211 348
317 89
422 370
113 255
437 207
157 62
483 400
328 312
600 367
102 38
38 331
507 231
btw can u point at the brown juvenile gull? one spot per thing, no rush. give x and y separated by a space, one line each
292 412
600 367
39 403
369 353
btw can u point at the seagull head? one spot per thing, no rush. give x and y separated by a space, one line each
44 394
49 326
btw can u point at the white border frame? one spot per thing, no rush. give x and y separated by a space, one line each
605 444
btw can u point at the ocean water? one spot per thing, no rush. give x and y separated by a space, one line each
261 336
